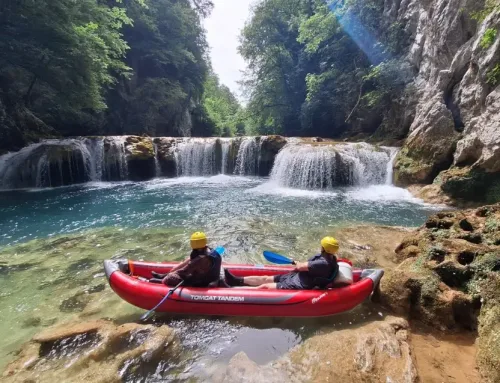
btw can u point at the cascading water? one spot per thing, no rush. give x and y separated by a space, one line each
390 166
306 166
157 161
47 164
226 145
196 157
248 157
95 147
115 159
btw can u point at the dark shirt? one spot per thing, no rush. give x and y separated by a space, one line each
321 269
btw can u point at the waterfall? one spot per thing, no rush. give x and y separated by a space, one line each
115 159
248 157
157 161
49 163
325 166
95 147
196 157
226 145
390 165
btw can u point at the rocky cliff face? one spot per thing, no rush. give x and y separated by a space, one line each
455 128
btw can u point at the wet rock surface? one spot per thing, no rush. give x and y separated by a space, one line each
449 277
96 351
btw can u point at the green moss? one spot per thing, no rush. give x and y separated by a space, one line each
493 76
489 7
491 225
488 38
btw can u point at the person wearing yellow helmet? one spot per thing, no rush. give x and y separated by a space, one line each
200 269
318 271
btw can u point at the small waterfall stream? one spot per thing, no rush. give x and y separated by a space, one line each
226 145
115 160
196 157
157 161
248 156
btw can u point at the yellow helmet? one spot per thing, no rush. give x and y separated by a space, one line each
330 244
198 240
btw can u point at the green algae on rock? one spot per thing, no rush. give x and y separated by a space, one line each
449 278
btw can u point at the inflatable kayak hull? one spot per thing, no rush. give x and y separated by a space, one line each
126 278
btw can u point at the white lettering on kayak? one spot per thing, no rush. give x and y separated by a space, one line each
221 298
316 300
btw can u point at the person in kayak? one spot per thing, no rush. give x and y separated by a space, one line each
318 271
200 269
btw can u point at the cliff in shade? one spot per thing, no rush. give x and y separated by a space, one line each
452 107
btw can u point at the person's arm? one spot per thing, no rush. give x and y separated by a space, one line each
181 265
302 266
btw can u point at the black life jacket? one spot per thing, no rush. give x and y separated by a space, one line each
214 274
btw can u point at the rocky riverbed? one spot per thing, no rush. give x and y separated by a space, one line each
441 283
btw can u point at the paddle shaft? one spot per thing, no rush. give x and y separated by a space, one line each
150 312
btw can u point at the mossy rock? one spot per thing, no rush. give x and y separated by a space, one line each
140 148
409 171
471 184
489 330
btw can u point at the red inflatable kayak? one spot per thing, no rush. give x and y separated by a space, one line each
125 279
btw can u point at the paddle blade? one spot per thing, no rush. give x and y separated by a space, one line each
220 250
277 258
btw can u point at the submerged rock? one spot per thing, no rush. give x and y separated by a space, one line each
97 351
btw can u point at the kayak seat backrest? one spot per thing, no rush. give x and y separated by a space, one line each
326 281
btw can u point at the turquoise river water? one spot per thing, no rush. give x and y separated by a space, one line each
53 241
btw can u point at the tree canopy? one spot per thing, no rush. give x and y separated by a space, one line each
101 67
321 67
89 67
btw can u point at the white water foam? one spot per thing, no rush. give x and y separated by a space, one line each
271 188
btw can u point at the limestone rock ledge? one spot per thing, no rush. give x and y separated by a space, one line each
449 278
96 351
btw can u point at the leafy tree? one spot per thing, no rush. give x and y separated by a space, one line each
222 107
322 67
168 57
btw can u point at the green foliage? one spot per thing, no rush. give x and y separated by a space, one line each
488 38
493 76
94 67
490 6
318 68
223 108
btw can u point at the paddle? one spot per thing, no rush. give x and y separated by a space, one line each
145 317
148 315
278 259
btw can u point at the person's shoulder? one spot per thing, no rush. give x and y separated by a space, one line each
315 258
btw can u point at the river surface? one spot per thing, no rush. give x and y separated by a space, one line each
53 241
